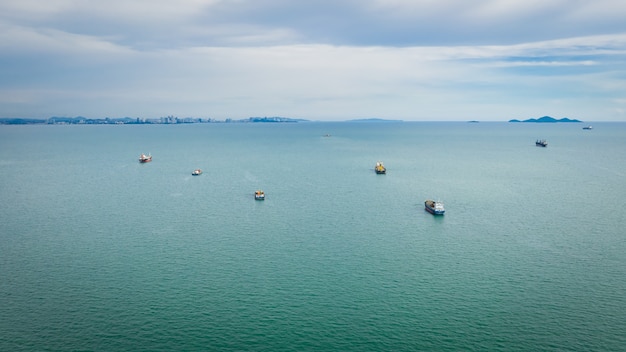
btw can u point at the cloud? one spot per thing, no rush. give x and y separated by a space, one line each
15 39
165 24
326 59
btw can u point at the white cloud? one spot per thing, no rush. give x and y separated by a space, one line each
165 23
52 41
139 10
239 58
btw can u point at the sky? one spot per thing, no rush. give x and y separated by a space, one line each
422 60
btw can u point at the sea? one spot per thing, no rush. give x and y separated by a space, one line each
99 252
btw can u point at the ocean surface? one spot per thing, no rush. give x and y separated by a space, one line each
101 253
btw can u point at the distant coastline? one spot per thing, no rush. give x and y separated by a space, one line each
373 120
80 120
168 120
172 120
546 119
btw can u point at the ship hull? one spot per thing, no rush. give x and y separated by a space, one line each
435 212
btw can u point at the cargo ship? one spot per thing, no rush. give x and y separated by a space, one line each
433 207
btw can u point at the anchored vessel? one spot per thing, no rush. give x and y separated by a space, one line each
380 168
196 172
433 207
143 158
259 195
541 143
587 127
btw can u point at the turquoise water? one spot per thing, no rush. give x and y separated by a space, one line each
101 253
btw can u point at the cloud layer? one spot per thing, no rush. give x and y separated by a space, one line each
322 60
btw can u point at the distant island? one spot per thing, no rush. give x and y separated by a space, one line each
547 119
80 120
373 120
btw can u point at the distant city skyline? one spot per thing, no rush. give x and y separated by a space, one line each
81 120
410 60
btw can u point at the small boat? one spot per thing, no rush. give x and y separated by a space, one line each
541 143
259 195
588 127
434 207
196 172
380 168
143 158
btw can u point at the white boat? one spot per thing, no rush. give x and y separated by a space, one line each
259 195
143 158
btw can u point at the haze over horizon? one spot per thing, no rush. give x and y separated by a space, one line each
412 60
